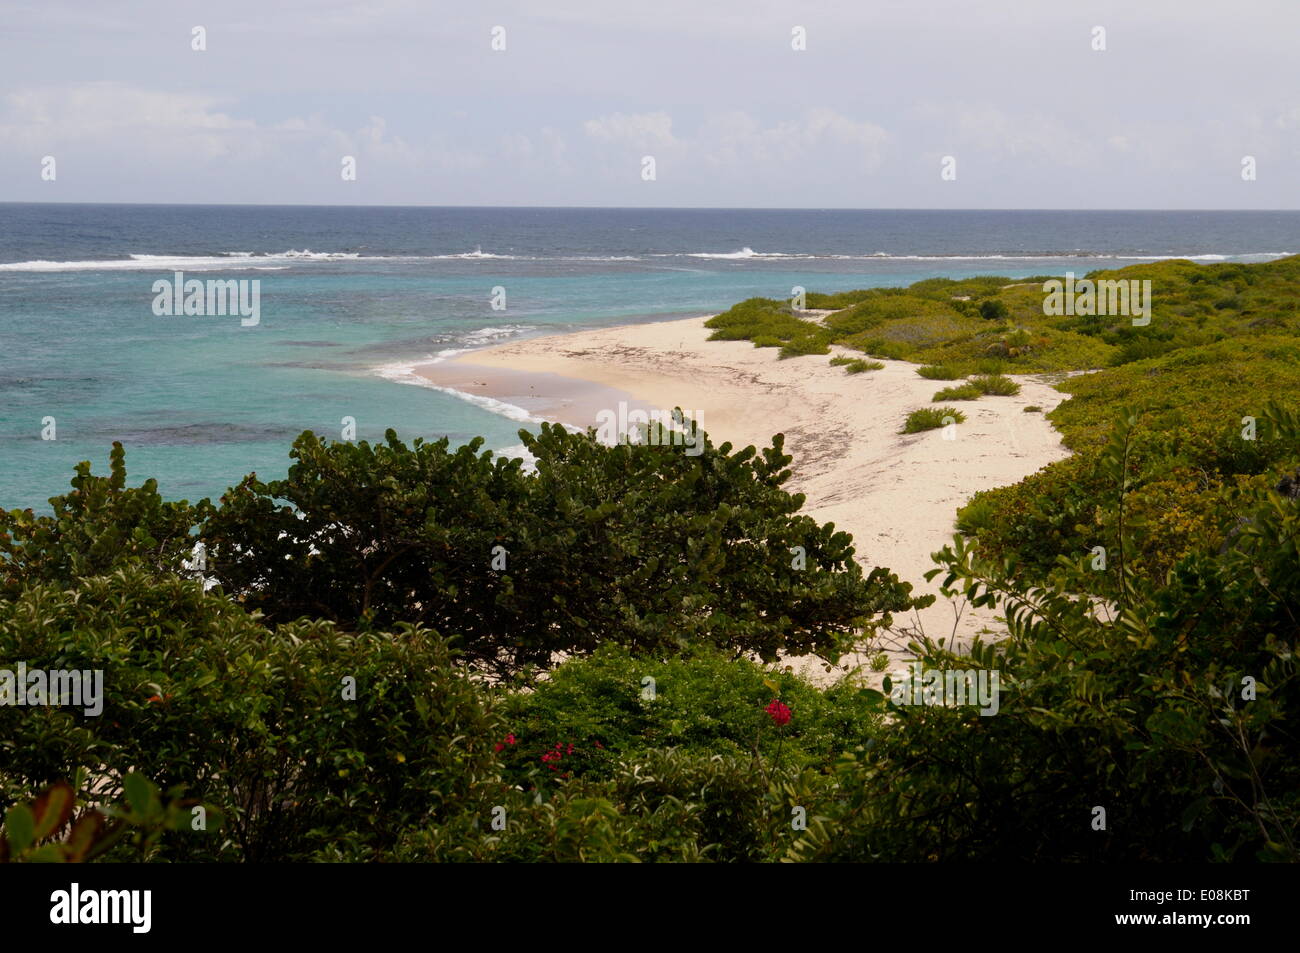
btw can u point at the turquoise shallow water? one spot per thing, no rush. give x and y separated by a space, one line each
199 401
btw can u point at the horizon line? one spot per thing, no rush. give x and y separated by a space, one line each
640 208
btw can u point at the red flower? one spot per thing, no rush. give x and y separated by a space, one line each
779 713
510 739
498 747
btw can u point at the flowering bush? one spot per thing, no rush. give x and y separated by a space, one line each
779 713
706 702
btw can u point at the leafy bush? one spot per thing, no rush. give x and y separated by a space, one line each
1174 710
995 384
703 702
668 805
993 310
640 544
101 525
308 740
857 367
938 372
931 418
807 344
769 323
964 392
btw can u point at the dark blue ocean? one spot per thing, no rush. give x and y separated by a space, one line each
350 296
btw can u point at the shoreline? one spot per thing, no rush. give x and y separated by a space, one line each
897 494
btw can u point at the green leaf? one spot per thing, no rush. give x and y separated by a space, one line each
874 697
21 826
138 792
1193 811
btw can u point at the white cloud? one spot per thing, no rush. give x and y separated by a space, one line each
638 130
112 113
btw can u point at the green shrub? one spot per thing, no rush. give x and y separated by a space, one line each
931 418
964 392
995 384
202 698
993 310
704 702
102 524
801 346
642 544
854 365
975 516
858 367
668 805
938 372
1174 710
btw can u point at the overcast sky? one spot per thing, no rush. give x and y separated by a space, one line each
1034 116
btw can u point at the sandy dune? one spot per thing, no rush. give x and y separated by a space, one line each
896 494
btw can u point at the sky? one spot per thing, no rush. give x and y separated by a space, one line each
1012 97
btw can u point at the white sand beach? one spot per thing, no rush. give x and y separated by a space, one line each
896 494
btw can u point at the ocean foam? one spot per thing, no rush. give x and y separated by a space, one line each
404 373
279 261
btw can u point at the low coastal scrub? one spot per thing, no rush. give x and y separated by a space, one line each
962 392
853 365
931 418
1220 342
770 323
938 372
995 384
616 705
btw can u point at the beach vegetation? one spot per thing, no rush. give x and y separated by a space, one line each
931 418
938 372
995 384
962 392
855 365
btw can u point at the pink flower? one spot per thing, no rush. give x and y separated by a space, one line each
779 713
